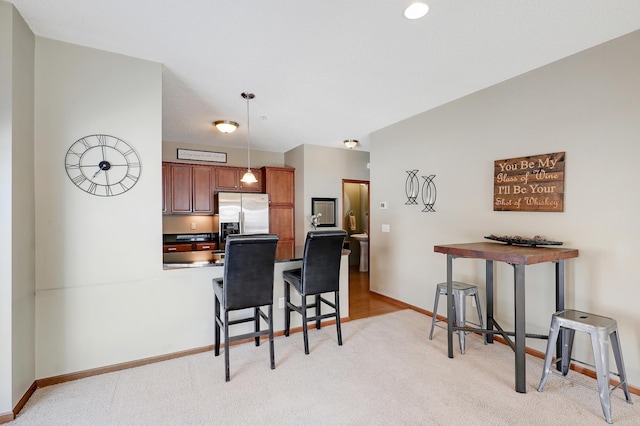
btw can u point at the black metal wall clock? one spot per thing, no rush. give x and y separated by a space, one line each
103 165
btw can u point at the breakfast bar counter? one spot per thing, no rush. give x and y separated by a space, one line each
518 257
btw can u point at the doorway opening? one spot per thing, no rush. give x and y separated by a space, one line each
355 220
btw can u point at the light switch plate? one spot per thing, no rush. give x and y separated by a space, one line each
383 204
386 228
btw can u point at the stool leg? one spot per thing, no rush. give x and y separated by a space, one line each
227 374
216 327
484 335
617 353
287 309
460 319
567 349
554 330
256 324
600 343
435 313
305 332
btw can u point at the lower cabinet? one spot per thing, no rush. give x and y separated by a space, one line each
182 247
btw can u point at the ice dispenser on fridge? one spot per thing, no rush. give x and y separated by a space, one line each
241 213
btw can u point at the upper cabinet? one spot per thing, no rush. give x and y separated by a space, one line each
188 188
279 184
228 179
166 188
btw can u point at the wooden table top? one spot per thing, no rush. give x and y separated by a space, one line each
517 255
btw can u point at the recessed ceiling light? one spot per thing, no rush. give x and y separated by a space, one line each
416 10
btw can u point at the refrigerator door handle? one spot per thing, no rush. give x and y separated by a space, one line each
241 220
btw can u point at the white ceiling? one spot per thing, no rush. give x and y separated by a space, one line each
325 70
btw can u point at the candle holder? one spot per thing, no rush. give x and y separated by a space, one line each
429 193
412 187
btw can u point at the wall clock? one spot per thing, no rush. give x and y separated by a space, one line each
103 165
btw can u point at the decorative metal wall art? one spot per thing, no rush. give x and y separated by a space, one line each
412 190
428 193
412 187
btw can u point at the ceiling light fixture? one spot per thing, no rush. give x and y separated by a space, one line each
248 177
350 143
416 10
226 126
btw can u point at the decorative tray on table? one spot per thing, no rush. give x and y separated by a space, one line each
523 241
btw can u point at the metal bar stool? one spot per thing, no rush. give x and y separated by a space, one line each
602 331
460 292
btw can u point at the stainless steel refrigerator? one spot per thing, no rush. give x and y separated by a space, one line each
242 213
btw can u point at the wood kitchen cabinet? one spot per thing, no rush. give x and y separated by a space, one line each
166 188
279 183
227 179
176 248
183 247
188 188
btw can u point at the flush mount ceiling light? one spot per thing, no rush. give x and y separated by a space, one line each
226 126
350 143
248 177
416 10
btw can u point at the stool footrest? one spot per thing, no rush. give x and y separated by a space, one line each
466 329
578 382
614 373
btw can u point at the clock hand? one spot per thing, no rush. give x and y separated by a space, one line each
103 165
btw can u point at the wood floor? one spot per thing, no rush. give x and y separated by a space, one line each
362 302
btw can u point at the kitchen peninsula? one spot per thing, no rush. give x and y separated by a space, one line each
204 272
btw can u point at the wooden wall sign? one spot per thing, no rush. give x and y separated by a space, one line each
529 184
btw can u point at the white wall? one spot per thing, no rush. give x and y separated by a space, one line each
17 231
100 291
23 206
235 156
319 173
6 89
586 105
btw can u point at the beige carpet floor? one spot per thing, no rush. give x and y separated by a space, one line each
386 373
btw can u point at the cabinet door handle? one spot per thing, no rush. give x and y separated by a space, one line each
172 249
205 247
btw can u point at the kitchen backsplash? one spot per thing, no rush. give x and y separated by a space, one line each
185 224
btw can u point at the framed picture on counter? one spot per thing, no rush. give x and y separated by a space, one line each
325 208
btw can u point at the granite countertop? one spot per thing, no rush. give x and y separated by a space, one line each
180 265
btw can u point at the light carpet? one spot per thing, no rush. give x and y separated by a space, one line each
386 372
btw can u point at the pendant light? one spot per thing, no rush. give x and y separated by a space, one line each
248 177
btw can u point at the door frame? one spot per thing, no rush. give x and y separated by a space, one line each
368 183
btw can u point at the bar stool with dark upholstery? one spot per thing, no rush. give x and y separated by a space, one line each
603 331
460 292
247 283
320 273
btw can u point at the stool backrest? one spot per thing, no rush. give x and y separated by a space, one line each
248 270
321 261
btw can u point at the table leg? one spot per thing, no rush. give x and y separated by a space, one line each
561 351
521 373
450 311
489 288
